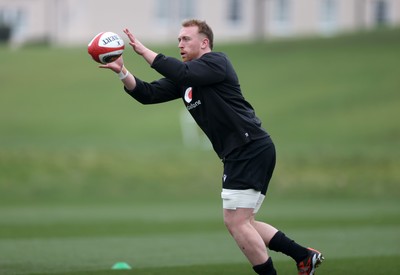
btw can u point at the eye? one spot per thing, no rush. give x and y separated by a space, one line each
184 39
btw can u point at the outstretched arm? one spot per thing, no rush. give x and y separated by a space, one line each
126 77
118 66
140 49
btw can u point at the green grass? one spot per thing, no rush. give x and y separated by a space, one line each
180 237
89 177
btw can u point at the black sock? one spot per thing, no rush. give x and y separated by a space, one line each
281 243
266 268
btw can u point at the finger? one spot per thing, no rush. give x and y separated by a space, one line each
127 32
130 35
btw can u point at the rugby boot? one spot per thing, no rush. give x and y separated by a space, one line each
310 263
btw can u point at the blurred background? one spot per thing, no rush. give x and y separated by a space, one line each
315 72
71 22
93 176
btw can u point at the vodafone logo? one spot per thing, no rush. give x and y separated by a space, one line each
188 95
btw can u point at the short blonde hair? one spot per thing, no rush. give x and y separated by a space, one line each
204 28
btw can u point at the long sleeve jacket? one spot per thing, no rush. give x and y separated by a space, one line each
210 91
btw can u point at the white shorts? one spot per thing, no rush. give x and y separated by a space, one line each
249 198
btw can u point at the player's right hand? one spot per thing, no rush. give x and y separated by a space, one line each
115 66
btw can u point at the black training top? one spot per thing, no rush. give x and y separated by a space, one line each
211 93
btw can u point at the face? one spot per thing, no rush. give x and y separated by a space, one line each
192 44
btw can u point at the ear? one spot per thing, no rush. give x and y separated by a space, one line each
205 43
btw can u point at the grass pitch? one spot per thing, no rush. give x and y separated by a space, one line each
182 238
88 177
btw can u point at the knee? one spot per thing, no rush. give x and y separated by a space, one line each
234 222
229 223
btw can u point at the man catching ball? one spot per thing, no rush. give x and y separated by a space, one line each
209 87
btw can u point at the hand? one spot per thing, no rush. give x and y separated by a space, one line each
115 66
140 49
137 46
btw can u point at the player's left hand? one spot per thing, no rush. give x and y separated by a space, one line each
137 46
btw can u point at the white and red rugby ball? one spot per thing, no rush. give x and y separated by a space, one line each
106 47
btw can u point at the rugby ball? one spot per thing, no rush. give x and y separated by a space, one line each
106 47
